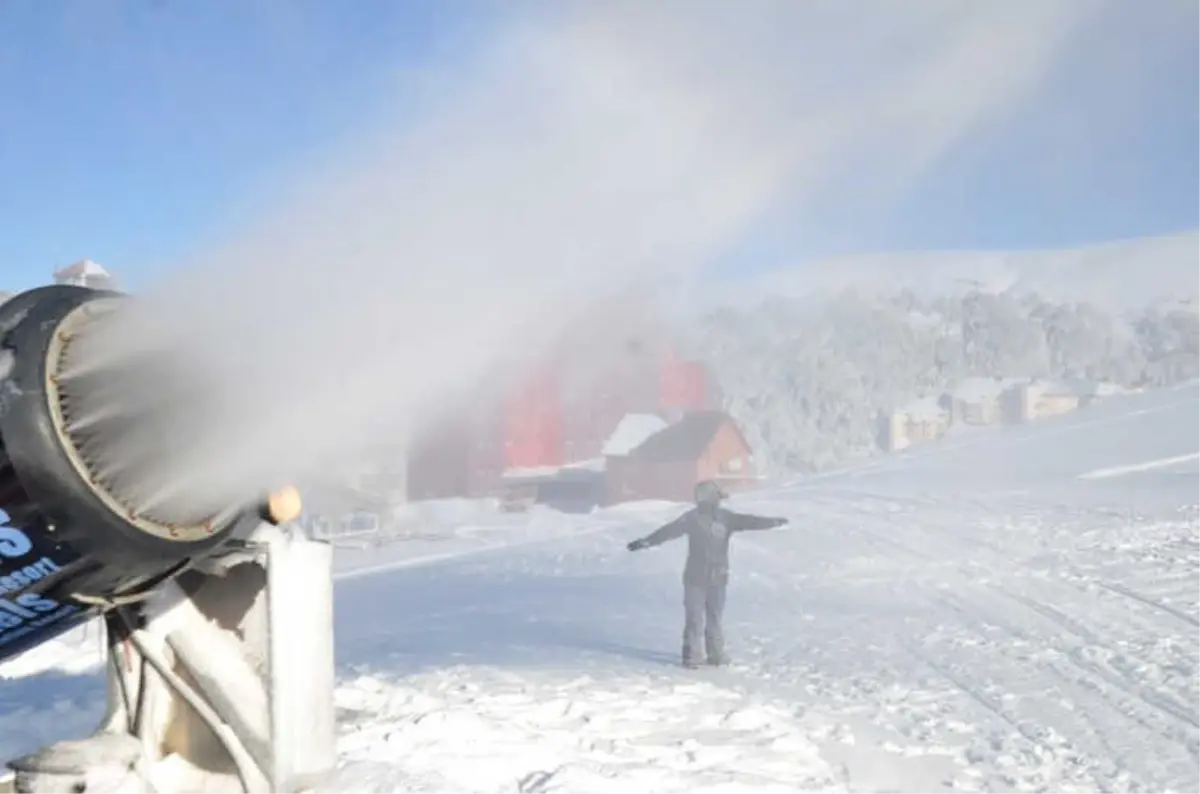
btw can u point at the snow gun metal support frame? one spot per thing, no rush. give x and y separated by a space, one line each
219 624
220 680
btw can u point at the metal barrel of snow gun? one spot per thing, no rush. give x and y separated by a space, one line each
73 541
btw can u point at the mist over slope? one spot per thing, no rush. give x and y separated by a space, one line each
580 149
809 366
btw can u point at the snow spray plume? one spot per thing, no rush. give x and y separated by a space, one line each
590 147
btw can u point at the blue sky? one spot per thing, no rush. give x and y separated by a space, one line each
135 133
131 132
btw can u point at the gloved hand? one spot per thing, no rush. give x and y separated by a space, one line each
636 545
779 522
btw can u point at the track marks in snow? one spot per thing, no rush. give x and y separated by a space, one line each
912 642
1064 639
1133 468
1150 602
1088 719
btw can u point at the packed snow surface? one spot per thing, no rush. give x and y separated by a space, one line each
986 613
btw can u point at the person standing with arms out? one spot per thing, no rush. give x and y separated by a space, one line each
708 527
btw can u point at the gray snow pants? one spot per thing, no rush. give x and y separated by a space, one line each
703 609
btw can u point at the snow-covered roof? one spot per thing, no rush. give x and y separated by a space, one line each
587 467
631 432
978 389
1077 388
687 439
924 408
1106 388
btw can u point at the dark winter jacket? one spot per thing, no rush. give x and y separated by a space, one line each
708 533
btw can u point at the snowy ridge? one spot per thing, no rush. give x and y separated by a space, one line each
1117 276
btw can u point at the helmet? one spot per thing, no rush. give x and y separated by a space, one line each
708 492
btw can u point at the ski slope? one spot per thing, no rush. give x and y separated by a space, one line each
1011 609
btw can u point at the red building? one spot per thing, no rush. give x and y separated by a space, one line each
533 423
683 385
563 414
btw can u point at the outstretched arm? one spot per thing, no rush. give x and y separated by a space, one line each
671 531
739 522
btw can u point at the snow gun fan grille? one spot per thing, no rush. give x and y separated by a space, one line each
108 414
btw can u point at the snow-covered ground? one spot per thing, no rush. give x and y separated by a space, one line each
1012 609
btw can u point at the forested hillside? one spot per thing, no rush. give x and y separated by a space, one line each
808 379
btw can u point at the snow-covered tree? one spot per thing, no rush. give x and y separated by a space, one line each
808 380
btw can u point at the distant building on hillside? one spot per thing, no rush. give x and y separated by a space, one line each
976 401
923 420
1040 398
85 273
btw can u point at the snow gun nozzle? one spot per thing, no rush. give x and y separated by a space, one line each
281 506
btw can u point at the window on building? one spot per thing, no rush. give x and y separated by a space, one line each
733 466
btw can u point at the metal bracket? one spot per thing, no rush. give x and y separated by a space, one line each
222 680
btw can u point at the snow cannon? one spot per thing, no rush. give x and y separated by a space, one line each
75 540
218 618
